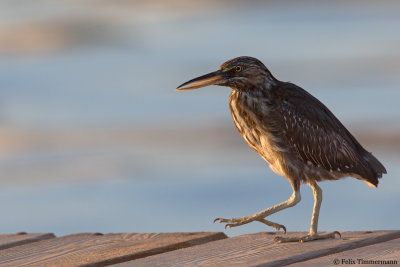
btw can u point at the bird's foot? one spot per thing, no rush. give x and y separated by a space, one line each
309 237
240 221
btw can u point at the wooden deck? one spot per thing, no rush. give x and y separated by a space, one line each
197 249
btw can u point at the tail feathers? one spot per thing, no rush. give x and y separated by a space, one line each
376 169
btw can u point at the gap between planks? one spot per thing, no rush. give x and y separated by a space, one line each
21 238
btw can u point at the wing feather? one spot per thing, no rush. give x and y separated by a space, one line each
319 137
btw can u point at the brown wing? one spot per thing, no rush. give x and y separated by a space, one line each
321 139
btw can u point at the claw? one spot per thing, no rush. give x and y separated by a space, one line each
279 227
337 233
222 220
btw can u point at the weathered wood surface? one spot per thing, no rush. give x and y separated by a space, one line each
260 250
179 249
12 240
387 251
99 250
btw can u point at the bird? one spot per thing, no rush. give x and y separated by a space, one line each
295 133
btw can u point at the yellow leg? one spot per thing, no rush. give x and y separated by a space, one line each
259 216
313 234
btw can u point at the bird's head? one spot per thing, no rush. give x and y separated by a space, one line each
241 73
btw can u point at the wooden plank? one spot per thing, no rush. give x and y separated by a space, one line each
387 251
12 240
100 250
260 250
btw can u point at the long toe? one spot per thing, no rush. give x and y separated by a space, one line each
309 237
234 221
222 220
274 225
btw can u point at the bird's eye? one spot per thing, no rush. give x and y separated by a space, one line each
238 68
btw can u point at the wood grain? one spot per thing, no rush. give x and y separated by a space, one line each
100 250
12 240
260 250
389 251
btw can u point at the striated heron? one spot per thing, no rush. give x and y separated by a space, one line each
294 132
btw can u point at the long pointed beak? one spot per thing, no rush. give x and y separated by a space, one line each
208 79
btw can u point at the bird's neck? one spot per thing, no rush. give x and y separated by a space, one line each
258 86
251 100
264 91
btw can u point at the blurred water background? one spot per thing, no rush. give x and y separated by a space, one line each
93 137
